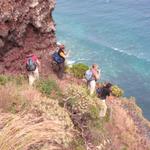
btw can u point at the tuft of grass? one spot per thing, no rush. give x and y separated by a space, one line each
94 112
4 79
48 87
18 80
11 99
77 144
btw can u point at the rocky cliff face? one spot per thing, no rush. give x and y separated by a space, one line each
25 25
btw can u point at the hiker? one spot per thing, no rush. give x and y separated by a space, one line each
59 59
104 92
32 67
92 75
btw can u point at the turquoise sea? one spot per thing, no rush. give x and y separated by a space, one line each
113 33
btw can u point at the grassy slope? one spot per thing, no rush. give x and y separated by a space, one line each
30 120
43 117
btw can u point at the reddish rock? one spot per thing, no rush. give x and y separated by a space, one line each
1 43
25 25
3 30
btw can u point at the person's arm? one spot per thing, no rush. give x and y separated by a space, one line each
62 55
38 62
67 53
96 74
110 97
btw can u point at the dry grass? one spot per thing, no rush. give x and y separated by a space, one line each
41 125
11 98
29 120
24 132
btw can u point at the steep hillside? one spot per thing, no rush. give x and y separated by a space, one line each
46 117
32 121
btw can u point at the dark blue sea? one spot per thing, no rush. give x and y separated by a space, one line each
113 33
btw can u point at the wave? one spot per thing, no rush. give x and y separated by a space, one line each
129 54
70 62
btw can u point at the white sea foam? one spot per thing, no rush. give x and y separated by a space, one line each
140 56
70 62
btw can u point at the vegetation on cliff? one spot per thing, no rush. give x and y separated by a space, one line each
49 117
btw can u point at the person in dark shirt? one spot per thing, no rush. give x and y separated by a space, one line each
103 93
59 65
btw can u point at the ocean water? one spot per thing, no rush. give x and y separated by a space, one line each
114 34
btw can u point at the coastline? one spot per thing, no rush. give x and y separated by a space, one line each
55 114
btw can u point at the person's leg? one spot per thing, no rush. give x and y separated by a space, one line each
61 70
31 78
103 109
55 67
92 86
88 85
36 73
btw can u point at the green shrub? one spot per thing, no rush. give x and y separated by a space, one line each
4 79
117 91
77 144
78 70
94 112
18 80
48 87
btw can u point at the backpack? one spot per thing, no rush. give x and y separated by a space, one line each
57 58
88 75
99 91
31 64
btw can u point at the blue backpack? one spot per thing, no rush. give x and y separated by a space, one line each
57 58
30 65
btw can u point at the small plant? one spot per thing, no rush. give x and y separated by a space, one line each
124 148
108 115
94 112
4 79
77 144
19 80
48 87
78 70
117 91
11 99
